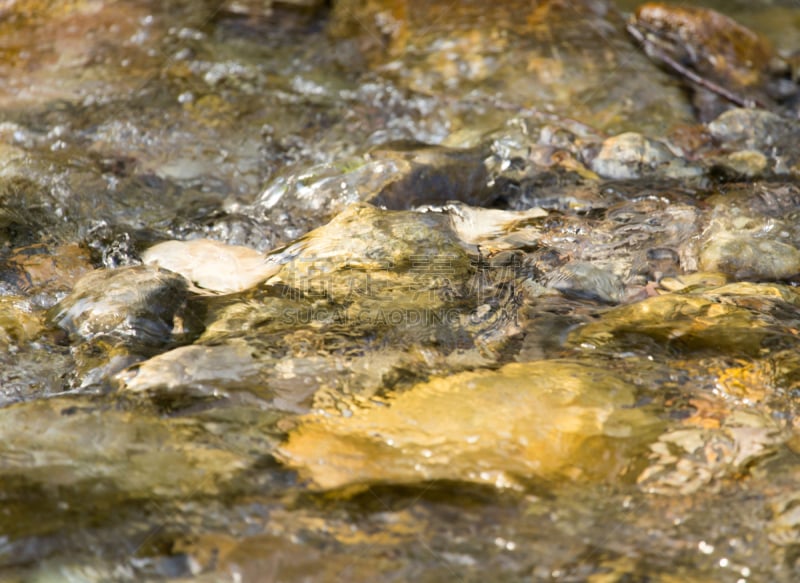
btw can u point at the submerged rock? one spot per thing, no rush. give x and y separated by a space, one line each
631 155
396 259
755 143
44 269
138 306
19 322
395 176
196 371
545 420
434 175
732 319
80 449
750 258
584 280
749 246
685 460
116 317
567 50
714 54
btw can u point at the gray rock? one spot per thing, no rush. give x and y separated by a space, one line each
585 280
138 306
741 132
631 155
747 257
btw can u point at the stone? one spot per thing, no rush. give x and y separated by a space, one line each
548 420
211 265
631 155
137 305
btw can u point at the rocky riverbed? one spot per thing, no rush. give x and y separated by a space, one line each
385 290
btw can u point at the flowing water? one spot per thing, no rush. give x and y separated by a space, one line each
391 290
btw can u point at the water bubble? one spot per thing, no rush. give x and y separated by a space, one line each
705 548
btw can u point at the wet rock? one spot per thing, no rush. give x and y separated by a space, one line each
114 246
435 175
569 49
19 321
744 164
686 460
584 280
211 265
749 128
750 258
526 421
42 269
746 245
784 528
267 310
242 373
732 319
744 133
117 317
712 52
394 176
78 448
631 155
688 281
138 306
389 257
195 372
493 228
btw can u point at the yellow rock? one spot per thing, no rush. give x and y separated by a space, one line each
18 321
550 419
730 318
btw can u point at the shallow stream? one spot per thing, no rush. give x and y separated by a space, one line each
397 290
